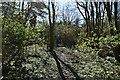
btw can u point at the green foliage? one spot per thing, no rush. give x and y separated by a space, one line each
111 41
90 57
116 39
90 65
16 38
85 61
102 44
68 34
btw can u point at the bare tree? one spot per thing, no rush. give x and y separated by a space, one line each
92 16
116 17
52 23
86 15
108 8
68 14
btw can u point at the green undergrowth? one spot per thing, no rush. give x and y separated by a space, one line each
85 62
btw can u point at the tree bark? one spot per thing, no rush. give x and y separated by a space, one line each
116 50
92 14
115 14
109 13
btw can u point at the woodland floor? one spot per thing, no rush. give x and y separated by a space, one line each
40 64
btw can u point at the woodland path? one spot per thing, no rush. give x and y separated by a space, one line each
41 64
41 58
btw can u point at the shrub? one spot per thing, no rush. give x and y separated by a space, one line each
68 33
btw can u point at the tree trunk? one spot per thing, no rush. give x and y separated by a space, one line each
92 14
52 39
116 50
116 19
109 13
22 6
103 11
